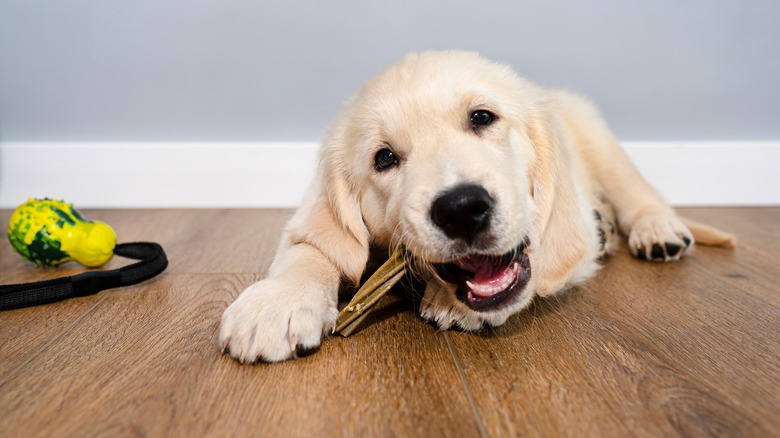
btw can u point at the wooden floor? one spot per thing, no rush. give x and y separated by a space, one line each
689 348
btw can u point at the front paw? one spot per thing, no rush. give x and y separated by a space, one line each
659 237
276 319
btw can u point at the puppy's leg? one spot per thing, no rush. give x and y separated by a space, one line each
654 231
285 315
606 225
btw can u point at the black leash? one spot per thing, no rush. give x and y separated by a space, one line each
152 262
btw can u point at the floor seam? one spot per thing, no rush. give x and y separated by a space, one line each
467 388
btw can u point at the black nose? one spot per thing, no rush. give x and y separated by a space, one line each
463 211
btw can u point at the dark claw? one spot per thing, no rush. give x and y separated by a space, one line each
301 351
602 238
657 252
687 241
640 254
672 249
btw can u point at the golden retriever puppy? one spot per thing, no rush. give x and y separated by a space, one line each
498 190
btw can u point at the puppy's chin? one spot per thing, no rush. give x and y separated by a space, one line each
441 305
473 291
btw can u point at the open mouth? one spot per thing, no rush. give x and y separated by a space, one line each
488 282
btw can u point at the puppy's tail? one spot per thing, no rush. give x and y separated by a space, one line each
710 236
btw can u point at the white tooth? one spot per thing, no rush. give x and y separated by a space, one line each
471 285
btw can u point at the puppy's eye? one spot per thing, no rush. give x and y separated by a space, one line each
482 118
385 159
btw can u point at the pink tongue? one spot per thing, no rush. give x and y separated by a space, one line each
488 273
489 279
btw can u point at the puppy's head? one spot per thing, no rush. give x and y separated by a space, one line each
445 153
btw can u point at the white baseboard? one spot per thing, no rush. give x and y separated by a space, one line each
148 175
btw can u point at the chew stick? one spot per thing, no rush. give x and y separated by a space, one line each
369 294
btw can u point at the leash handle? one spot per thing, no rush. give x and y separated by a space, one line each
152 262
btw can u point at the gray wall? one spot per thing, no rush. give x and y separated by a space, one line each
198 70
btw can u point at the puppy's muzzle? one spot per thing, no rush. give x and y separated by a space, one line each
463 211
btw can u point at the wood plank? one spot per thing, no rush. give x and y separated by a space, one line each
203 241
25 333
755 228
197 241
756 255
147 363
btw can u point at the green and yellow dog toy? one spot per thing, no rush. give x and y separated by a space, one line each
50 232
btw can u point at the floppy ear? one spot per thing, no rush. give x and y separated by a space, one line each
562 241
330 218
